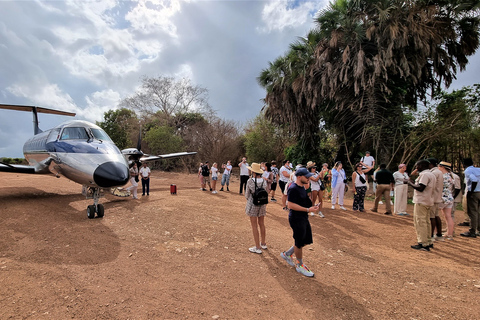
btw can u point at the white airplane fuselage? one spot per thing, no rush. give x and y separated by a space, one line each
80 151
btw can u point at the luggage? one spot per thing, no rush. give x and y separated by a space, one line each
173 189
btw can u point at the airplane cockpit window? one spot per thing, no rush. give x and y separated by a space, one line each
99 134
74 133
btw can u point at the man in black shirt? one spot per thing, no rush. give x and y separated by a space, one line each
385 183
300 205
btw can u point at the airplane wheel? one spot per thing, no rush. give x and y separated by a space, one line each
91 212
100 210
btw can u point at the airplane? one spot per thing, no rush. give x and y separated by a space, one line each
80 151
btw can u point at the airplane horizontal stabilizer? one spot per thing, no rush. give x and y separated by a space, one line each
39 109
167 156
17 168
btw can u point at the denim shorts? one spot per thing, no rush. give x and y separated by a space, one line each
214 178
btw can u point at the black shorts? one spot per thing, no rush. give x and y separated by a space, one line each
273 187
282 185
302 231
370 173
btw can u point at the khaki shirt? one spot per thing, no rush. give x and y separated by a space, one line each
428 179
438 189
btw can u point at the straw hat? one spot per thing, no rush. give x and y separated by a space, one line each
310 164
445 164
255 168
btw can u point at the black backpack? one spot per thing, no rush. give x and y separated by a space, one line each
205 170
260 196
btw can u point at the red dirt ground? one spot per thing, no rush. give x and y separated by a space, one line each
186 257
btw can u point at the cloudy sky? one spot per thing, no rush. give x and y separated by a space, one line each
85 56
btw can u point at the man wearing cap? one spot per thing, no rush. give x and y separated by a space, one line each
423 201
300 205
385 183
472 188
401 191
436 221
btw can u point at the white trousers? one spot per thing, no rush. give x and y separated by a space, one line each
133 187
339 191
401 193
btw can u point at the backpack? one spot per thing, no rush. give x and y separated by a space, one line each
260 196
205 170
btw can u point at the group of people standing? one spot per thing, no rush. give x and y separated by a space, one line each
135 175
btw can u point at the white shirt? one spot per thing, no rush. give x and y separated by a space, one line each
368 160
399 177
244 169
228 169
282 177
144 172
214 172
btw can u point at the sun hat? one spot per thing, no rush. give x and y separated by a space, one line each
255 168
445 164
310 164
303 172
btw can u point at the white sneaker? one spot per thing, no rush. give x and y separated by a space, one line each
333 207
255 250
303 269
312 213
380 202
342 207
214 192
321 214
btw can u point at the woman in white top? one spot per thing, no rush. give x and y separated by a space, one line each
360 182
268 175
133 174
214 171
401 191
447 197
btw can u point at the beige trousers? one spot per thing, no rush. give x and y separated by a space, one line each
421 219
383 189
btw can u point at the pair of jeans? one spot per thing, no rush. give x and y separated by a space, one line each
225 179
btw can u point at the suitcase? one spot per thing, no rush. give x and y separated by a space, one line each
173 189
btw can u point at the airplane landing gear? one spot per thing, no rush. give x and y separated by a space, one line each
95 208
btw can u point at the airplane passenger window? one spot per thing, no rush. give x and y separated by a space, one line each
99 134
74 133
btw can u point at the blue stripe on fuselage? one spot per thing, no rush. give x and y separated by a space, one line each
82 146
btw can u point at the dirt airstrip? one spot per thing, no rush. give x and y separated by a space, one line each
186 257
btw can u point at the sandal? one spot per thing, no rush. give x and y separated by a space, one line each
255 250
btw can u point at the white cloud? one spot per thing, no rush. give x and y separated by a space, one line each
46 95
154 15
98 103
278 15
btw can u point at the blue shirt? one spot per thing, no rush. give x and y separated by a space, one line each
336 175
472 174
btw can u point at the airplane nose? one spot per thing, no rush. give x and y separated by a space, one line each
111 174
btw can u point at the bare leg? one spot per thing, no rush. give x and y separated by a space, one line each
253 222
261 224
298 254
448 217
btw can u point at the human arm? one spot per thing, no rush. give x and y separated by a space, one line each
297 207
368 168
419 187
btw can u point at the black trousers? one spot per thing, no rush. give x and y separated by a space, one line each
146 184
243 183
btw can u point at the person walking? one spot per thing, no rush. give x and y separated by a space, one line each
300 206
227 169
339 179
244 174
145 175
401 191
133 180
423 201
275 177
214 171
447 197
472 188
385 183
360 182
256 213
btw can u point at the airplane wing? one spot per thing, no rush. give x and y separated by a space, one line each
38 109
18 168
166 156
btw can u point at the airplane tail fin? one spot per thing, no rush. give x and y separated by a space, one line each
35 111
